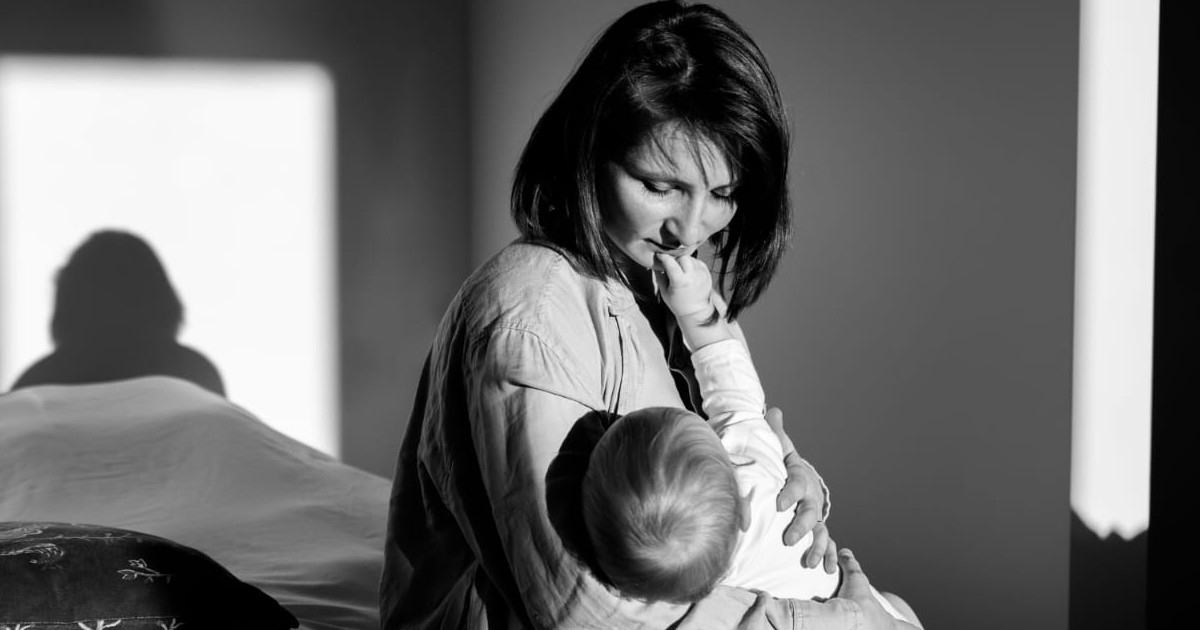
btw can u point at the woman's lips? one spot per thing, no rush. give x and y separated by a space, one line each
674 251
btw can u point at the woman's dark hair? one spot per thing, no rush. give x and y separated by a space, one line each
663 64
113 287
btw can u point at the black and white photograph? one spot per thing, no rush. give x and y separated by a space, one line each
559 314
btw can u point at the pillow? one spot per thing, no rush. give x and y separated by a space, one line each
59 575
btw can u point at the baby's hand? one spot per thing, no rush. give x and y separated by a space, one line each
688 287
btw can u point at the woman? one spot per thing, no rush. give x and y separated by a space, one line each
670 134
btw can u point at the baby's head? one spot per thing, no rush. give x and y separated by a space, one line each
661 505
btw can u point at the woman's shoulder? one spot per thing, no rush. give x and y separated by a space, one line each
523 256
533 293
535 281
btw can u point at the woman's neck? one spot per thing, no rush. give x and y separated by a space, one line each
639 279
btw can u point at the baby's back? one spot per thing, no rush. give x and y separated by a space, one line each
761 560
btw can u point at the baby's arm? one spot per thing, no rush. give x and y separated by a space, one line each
729 386
733 400
731 391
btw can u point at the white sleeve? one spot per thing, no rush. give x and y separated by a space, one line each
734 403
729 384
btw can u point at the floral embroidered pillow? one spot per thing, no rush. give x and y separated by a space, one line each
57 575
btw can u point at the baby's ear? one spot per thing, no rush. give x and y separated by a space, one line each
744 511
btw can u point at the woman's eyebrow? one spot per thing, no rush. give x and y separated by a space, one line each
666 177
732 185
633 168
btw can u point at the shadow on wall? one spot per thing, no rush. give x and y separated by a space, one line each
1108 580
116 317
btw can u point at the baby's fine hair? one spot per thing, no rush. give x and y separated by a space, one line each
660 503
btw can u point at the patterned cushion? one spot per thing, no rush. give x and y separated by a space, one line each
58 575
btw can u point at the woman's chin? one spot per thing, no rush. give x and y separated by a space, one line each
632 261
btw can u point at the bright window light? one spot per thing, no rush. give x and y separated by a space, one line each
1118 100
226 169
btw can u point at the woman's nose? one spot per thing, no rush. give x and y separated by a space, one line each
687 227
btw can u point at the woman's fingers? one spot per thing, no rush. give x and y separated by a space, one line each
854 582
856 587
823 550
802 523
831 557
803 488
796 488
804 491
816 553
775 421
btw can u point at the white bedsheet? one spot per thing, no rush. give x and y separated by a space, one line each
162 456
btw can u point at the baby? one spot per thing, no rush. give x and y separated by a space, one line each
664 489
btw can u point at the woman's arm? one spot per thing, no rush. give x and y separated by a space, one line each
523 398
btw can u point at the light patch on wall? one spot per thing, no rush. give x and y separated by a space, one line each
226 168
1118 88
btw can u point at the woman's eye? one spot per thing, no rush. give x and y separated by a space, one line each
724 197
656 188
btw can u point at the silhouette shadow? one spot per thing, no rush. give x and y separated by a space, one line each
116 317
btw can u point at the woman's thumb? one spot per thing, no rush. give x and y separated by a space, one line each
854 581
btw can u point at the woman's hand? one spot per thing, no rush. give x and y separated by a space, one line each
805 491
855 587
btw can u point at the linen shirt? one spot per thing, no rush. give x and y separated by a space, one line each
528 347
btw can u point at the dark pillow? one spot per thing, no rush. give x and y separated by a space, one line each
59 575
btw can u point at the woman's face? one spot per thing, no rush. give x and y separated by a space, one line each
669 194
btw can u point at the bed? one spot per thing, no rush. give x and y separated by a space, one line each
99 483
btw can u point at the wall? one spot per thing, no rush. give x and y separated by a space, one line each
400 82
919 335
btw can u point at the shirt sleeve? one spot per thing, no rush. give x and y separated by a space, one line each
733 394
523 397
